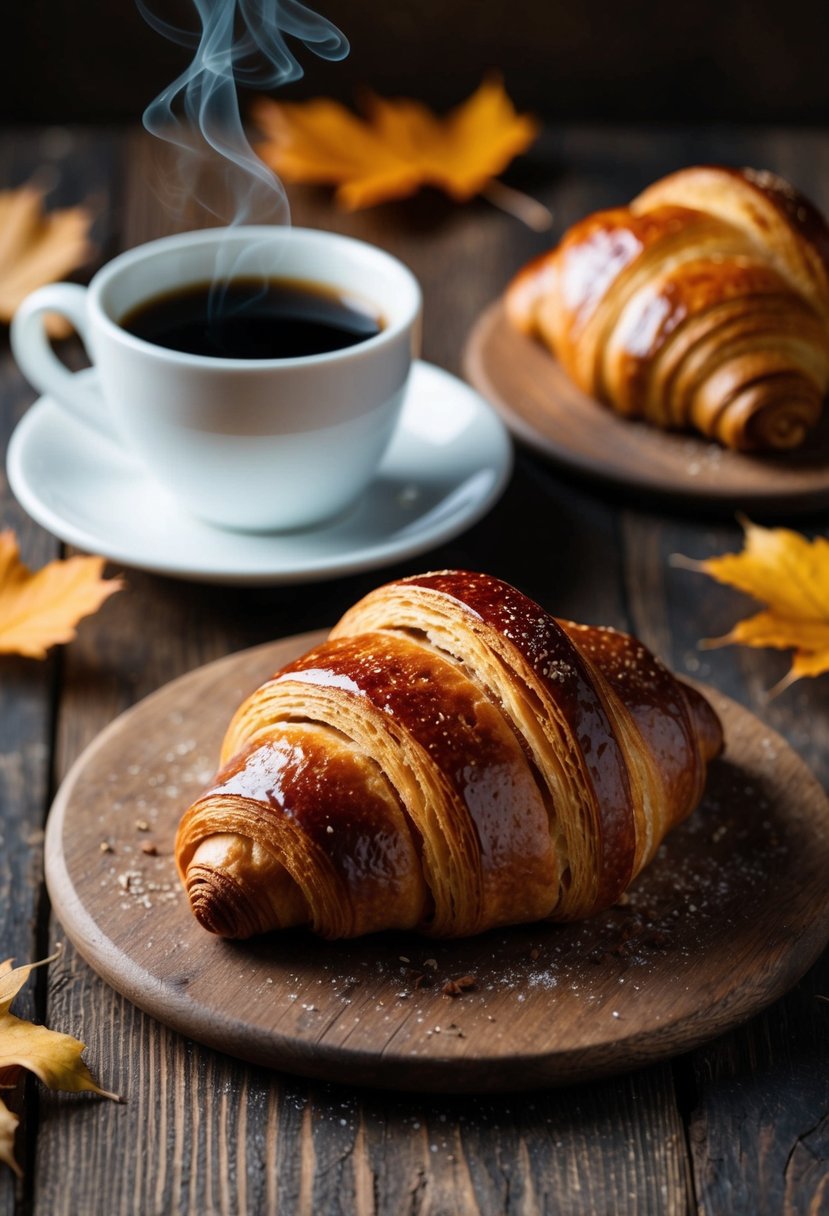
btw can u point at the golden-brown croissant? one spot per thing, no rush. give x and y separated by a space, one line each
703 304
452 758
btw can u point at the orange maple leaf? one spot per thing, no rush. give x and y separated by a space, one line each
38 610
399 147
790 575
38 247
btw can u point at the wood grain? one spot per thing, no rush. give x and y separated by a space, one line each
542 406
71 166
732 913
756 1098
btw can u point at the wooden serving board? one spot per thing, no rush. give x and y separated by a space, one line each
541 405
731 913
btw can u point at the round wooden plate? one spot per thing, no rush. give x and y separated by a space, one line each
731 913
542 406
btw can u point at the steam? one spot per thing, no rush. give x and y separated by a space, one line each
241 42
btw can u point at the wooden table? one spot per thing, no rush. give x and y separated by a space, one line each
738 1126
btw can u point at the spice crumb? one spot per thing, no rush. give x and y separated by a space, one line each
142 825
456 987
149 848
106 847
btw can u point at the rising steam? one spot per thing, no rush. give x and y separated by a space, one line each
241 42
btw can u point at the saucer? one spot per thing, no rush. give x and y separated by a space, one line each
449 460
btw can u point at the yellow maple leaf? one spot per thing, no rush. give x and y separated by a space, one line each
38 610
53 1057
38 247
398 147
790 575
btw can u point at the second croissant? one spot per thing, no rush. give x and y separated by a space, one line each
451 759
704 304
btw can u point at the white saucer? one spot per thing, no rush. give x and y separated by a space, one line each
447 464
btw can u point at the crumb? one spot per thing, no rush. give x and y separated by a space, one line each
456 987
149 848
534 953
106 847
142 825
431 962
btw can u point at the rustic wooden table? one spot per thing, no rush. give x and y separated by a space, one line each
738 1126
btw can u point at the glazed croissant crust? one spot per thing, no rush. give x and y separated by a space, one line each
452 758
704 304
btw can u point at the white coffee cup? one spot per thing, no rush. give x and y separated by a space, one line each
251 444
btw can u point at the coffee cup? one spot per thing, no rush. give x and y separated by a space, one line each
255 444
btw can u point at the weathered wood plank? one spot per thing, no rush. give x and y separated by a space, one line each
74 168
202 1133
758 1096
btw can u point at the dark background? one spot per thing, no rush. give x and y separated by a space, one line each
720 60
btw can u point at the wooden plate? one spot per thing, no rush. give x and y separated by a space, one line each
541 405
732 912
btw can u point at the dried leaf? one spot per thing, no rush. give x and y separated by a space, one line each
53 1057
12 980
8 1126
38 247
790 574
399 147
39 610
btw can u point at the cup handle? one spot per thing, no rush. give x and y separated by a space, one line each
39 363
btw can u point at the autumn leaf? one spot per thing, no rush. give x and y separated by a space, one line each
790 575
8 1125
38 247
398 147
38 610
53 1057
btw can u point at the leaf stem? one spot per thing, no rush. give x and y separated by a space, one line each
529 210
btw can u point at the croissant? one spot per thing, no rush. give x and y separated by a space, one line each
704 304
452 758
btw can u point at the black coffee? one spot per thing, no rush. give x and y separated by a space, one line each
253 319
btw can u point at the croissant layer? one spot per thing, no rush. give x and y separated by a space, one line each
451 759
702 304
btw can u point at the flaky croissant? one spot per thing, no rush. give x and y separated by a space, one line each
452 758
704 304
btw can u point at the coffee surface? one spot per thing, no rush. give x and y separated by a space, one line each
253 319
